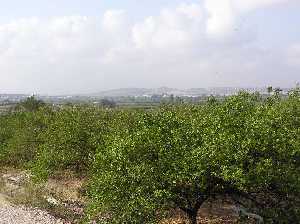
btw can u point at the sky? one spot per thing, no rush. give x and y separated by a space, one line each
76 46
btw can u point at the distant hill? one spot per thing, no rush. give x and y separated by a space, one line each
140 92
136 92
122 92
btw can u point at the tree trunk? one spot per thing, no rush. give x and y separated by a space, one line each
193 217
193 212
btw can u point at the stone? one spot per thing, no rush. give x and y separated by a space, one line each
52 200
223 209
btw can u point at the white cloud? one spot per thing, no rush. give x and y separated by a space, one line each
114 20
190 45
223 14
192 11
173 27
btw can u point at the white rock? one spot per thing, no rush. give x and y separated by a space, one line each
51 200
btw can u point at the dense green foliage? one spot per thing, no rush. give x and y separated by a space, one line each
142 163
30 104
70 140
20 137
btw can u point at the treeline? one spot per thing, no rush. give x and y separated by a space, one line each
142 163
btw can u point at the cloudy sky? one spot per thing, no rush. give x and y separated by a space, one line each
82 46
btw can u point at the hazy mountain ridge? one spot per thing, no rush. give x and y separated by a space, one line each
136 92
141 92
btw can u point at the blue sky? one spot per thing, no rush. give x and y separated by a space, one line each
98 45
43 8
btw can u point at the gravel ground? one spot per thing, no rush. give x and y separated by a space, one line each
19 215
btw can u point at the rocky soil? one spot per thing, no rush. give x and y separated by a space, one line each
10 214
20 198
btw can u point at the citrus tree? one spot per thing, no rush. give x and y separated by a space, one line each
178 156
69 140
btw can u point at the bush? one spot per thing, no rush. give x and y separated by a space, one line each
180 156
70 140
141 163
21 137
31 104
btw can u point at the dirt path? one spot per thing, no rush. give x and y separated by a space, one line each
3 201
19 215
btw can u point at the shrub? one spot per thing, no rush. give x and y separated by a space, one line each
141 163
180 156
31 104
70 139
21 139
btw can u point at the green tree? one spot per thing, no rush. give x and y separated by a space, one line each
30 104
270 89
22 137
70 140
108 103
180 156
